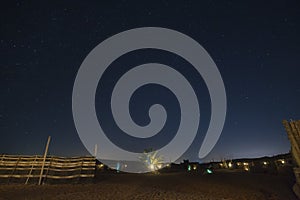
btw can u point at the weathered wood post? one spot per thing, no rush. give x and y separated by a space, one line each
44 159
31 169
95 150
293 131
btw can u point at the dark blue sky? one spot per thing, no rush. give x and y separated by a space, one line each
255 45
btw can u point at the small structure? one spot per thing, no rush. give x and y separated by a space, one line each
293 131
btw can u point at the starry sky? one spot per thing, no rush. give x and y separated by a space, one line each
256 46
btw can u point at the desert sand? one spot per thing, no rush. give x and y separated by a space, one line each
220 185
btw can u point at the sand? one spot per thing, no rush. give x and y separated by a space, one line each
219 185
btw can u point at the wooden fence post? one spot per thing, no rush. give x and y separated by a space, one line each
16 166
32 166
95 150
43 164
293 132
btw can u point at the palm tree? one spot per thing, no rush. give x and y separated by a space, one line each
151 159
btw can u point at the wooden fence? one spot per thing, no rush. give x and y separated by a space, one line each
293 131
52 169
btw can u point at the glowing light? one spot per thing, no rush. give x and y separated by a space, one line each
189 168
101 165
229 164
265 163
246 168
195 167
282 161
238 163
246 164
209 171
118 167
125 165
152 167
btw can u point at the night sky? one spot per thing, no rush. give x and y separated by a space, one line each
255 45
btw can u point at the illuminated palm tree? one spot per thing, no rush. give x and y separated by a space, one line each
152 160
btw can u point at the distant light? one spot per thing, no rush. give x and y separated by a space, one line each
282 162
125 165
245 163
238 163
229 164
265 163
246 168
195 167
209 171
189 168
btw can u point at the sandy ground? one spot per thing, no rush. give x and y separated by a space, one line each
219 185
